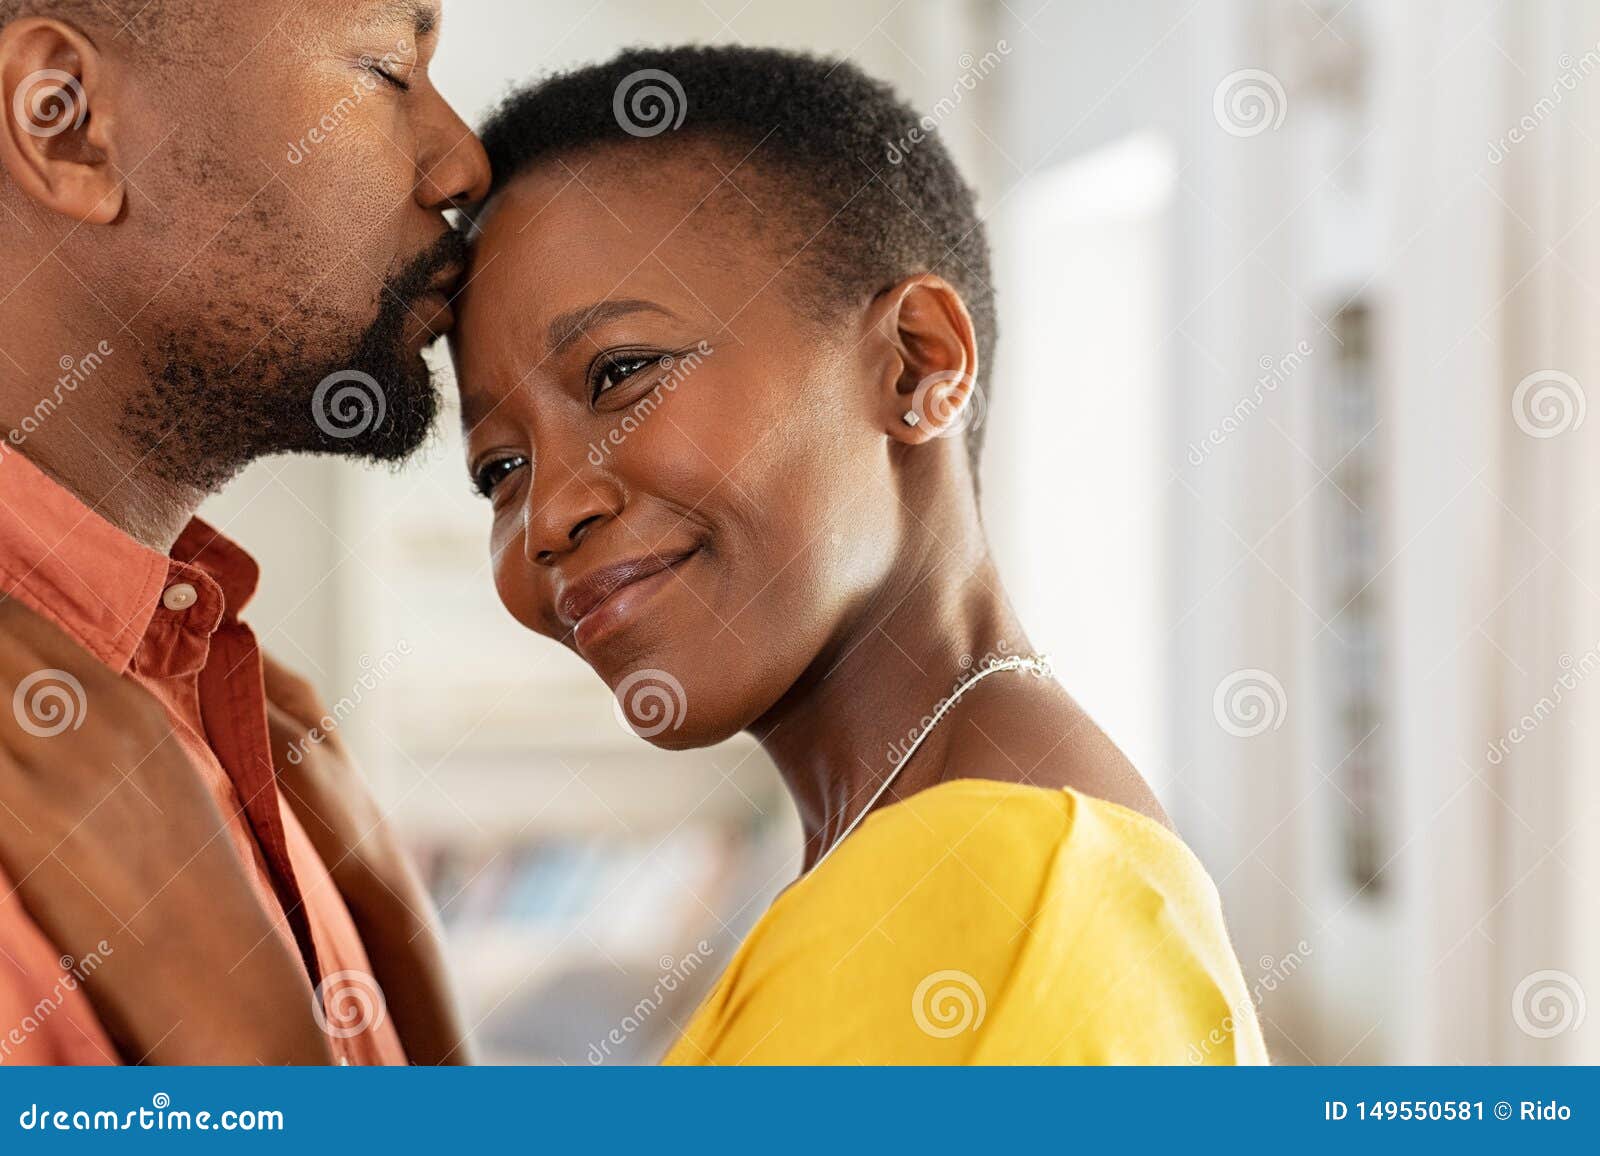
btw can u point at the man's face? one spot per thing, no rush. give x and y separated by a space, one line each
284 256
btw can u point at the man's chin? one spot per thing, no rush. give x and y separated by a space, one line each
357 414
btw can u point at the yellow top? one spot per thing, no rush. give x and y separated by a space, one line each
980 922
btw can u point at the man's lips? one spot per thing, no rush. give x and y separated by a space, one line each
435 306
436 313
583 596
448 282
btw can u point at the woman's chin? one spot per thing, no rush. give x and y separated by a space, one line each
658 707
687 696
689 740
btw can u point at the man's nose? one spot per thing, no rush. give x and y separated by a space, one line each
454 169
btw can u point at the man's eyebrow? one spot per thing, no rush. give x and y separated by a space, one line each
565 328
422 15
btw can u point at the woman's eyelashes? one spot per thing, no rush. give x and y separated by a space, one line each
608 373
615 369
491 473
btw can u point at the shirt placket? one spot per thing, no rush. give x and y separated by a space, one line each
233 712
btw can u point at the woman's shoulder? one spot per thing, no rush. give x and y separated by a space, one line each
993 922
1017 837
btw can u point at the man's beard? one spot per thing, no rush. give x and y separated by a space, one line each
208 413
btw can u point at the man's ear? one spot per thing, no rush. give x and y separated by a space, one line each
930 384
58 116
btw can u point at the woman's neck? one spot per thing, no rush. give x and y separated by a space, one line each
842 730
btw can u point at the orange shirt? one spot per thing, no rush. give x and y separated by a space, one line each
172 625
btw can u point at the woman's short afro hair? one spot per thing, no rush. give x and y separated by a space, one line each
881 197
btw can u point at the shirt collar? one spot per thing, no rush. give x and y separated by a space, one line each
94 581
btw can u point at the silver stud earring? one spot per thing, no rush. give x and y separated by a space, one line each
912 418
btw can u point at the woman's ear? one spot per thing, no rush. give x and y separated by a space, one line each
58 116
930 386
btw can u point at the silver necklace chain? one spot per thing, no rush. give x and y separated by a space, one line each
1038 664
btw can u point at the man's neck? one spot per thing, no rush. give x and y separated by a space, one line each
64 397
108 478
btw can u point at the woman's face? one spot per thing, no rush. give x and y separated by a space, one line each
689 473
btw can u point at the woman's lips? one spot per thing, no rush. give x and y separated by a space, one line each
605 601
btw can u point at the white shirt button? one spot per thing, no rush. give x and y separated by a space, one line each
179 596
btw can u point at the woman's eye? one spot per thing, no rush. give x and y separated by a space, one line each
491 474
613 372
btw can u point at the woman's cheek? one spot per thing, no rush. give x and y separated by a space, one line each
686 448
513 577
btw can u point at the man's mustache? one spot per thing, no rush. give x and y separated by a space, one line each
436 268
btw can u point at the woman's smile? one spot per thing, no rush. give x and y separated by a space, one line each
603 601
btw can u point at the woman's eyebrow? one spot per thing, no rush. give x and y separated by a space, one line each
565 328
